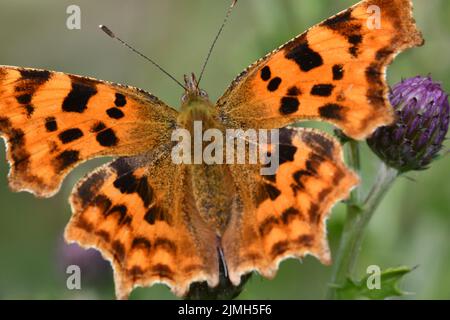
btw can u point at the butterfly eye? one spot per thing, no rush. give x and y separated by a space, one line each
184 98
203 93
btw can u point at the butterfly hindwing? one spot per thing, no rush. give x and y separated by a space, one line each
146 226
283 215
333 72
53 121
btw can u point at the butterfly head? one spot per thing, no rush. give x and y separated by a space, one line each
193 93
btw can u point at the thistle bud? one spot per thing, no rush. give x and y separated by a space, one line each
414 140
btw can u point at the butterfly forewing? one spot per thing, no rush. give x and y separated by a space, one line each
53 121
334 72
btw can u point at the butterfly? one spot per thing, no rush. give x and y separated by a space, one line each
180 224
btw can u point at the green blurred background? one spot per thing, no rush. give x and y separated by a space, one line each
412 226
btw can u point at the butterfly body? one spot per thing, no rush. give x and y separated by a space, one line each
210 182
159 220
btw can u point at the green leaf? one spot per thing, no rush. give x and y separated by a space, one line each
377 285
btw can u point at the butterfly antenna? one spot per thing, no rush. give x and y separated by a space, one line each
108 31
230 9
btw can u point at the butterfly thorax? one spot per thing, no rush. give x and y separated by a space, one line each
211 183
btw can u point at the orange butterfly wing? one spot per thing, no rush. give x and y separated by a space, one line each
53 121
284 215
333 72
138 212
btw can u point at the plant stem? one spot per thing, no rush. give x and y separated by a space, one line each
343 257
358 216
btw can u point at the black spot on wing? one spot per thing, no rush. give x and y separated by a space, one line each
38 76
322 90
319 143
286 135
82 223
306 58
373 73
78 97
126 221
293 91
141 242
24 98
27 85
384 54
324 194
135 272
165 244
271 177
5 124
274 84
266 191
298 177
118 250
66 159
144 191
289 214
355 40
345 25
272 191
128 183
122 166
87 191
152 215
306 240
120 210
120 100
289 105
336 21
107 138
338 72
31 80
97 127
314 213
103 203
267 225
331 111
156 213
266 74
279 248
115 113
312 165
375 77
70 135
313 162
286 153
163 271
50 124
19 153
105 236
29 109
16 139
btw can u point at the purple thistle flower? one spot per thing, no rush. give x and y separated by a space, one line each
414 140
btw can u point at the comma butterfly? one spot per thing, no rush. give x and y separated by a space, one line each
160 222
